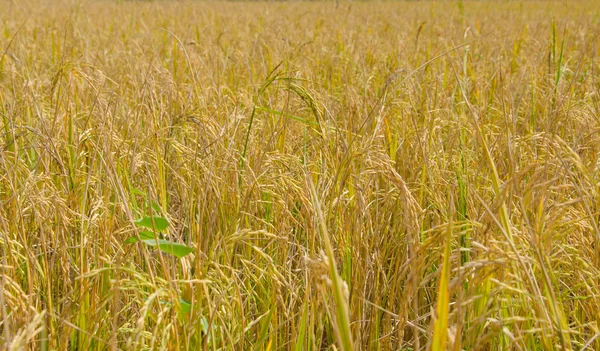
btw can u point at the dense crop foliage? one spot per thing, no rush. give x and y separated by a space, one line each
305 176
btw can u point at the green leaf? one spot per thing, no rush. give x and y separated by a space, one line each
131 240
301 338
204 323
156 207
155 223
143 235
175 249
440 329
138 192
280 113
184 306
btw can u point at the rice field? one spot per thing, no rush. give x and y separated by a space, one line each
386 175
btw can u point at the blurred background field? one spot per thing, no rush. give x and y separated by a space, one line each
302 175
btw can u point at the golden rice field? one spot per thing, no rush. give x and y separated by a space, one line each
409 175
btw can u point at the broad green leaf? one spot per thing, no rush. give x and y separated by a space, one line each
143 235
156 207
184 306
154 223
175 249
131 240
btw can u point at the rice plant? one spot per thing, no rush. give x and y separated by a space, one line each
188 175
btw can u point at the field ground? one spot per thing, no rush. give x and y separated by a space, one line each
304 176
